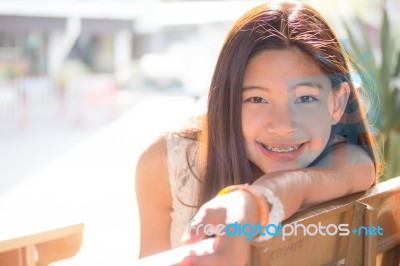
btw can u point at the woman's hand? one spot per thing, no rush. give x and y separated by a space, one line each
235 207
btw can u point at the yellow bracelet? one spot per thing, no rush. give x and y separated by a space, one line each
262 204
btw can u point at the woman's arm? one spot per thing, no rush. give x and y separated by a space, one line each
348 169
153 195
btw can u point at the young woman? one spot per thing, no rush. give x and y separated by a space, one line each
283 116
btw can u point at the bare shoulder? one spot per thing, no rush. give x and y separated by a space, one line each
155 153
152 170
354 161
353 153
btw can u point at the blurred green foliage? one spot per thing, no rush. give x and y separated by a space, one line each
379 70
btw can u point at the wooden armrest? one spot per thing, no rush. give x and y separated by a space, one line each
378 206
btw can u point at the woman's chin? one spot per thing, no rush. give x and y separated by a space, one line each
284 166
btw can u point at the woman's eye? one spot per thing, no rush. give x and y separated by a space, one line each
257 100
305 99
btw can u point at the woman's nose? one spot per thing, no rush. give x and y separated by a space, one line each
281 121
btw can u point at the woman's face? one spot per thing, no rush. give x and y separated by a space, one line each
288 109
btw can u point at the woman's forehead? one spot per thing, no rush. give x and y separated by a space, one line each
289 66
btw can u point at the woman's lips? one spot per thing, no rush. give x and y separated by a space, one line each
280 152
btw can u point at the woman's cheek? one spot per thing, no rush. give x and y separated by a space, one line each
253 118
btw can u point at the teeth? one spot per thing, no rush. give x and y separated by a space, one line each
275 149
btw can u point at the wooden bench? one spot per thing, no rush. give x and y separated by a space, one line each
40 248
39 222
378 206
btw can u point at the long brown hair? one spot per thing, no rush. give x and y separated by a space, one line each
277 25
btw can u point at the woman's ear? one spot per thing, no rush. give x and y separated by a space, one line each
340 96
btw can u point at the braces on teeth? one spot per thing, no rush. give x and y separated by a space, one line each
275 149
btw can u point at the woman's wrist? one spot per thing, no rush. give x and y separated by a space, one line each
244 206
276 209
251 209
291 187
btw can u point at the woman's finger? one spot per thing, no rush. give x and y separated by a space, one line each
204 225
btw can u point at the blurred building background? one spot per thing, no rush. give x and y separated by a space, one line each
69 68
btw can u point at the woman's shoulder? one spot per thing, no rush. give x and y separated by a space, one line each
161 164
151 167
158 149
169 147
178 140
154 152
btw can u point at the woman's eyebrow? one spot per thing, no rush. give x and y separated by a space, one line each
307 87
251 87
307 84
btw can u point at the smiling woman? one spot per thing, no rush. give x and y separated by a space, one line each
283 117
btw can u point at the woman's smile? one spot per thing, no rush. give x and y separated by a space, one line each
281 148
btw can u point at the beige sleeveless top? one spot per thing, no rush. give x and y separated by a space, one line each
184 185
